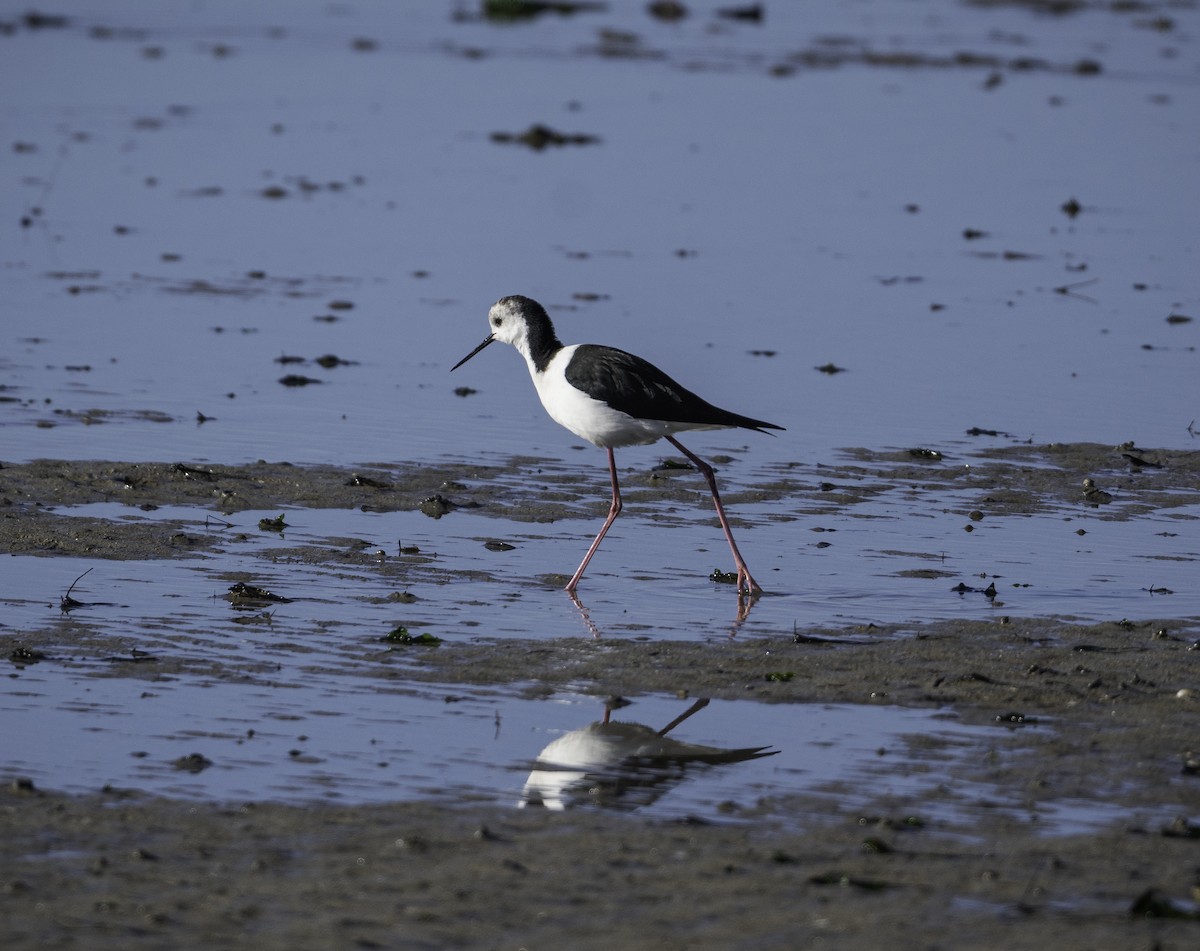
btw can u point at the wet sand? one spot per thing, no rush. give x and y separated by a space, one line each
1104 714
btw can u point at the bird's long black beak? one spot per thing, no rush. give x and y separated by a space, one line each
486 340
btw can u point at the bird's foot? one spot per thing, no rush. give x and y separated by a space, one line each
746 583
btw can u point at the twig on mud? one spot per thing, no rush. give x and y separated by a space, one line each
68 603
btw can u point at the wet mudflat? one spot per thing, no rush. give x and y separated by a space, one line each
106 871
300 703
980 857
1065 815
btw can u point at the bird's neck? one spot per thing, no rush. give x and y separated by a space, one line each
538 346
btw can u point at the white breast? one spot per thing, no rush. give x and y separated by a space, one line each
588 418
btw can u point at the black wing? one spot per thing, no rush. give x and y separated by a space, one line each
637 387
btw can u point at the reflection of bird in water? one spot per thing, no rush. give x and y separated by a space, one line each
621 765
1093 495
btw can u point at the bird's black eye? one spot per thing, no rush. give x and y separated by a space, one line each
497 321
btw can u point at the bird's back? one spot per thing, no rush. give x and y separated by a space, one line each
636 387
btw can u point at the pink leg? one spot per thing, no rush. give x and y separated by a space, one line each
613 511
745 582
694 708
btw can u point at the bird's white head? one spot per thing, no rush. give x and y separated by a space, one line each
522 322
509 320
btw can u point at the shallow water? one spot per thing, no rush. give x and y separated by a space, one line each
304 698
873 541
449 743
194 193
726 211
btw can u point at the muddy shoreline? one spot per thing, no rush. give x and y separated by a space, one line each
1106 713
